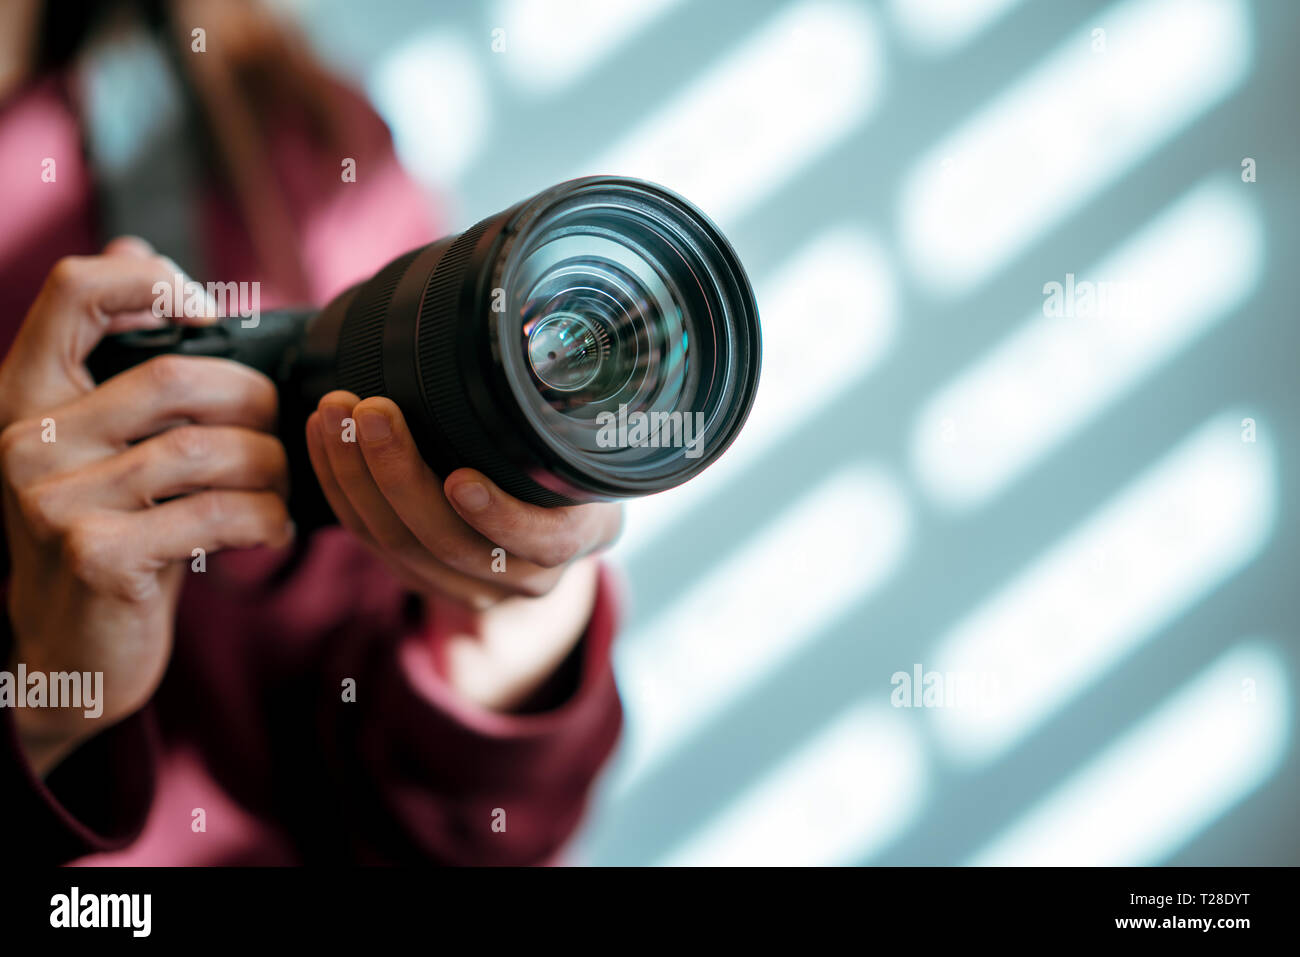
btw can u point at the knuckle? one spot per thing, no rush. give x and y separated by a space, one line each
392 468
134 586
13 441
133 471
92 553
38 506
189 442
559 549
536 586
163 266
512 522
88 549
213 509
449 549
168 374
66 275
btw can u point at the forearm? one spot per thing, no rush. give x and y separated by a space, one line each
42 748
43 738
68 797
445 770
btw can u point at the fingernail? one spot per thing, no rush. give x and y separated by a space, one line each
374 427
333 416
472 496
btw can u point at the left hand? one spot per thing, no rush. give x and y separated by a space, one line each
516 614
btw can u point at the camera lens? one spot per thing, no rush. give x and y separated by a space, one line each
599 340
632 352
565 350
663 358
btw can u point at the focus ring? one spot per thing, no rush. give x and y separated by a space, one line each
361 340
441 377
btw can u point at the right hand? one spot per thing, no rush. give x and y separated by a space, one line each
172 455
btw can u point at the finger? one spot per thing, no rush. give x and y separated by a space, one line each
406 556
172 389
548 536
129 246
82 294
212 520
137 248
338 437
82 300
184 460
415 494
334 495
423 574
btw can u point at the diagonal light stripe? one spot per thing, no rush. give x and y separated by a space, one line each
1217 740
756 611
763 112
431 91
940 26
1046 146
1189 269
857 784
828 318
550 45
1201 514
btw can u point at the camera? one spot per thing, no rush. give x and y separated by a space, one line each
599 340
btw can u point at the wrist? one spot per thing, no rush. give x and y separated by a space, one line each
42 735
498 659
43 750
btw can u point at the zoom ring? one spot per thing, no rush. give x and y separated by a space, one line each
441 379
361 340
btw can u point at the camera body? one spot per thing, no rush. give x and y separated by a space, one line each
513 347
273 347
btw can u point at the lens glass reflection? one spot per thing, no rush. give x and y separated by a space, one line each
628 338
604 330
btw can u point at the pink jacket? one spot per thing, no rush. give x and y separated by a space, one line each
249 724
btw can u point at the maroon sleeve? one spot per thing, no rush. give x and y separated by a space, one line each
428 777
410 773
97 799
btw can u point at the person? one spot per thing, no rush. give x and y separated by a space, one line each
380 693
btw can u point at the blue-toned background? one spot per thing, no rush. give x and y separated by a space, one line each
1077 515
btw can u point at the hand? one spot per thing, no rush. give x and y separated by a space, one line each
169 456
515 580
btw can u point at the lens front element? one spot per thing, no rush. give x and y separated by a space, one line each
565 350
629 337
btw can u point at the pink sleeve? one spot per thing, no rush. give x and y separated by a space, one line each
436 771
407 774
439 780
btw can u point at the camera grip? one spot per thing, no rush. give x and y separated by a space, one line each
268 344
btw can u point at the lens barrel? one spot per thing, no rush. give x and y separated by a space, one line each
599 340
